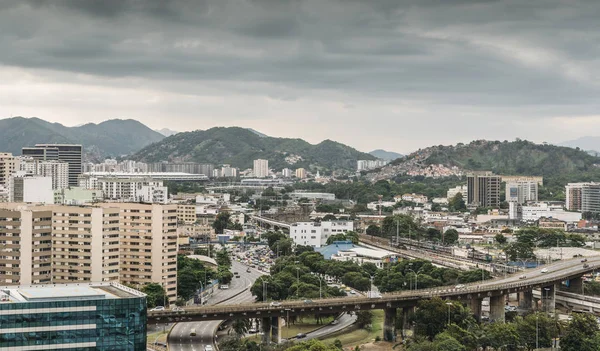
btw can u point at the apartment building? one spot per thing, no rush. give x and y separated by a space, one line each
57 170
261 168
186 213
85 244
8 165
30 189
522 191
461 189
584 197
148 234
69 153
300 173
26 249
483 189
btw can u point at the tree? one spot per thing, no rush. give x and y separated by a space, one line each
445 342
436 207
500 239
156 295
329 217
582 334
450 236
240 327
431 316
538 323
372 230
501 335
364 318
433 234
457 203
519 251
221 222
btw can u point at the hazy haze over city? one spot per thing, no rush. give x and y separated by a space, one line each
389 74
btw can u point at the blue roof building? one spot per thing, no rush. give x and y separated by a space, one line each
329 250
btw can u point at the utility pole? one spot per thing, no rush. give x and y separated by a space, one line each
397 234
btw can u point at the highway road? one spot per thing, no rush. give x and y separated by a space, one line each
180 339
344 321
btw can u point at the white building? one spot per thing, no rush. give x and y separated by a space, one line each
228 172
286 173
296 195
522 191
416 198
133 190
462 189
57 170
213 199
153 194
316 234
362 255
535 211
261 168
30 189
365 165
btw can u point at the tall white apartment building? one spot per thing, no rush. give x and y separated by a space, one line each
521 191
316 234
261 168
57 170
365 165
9 164
228 172
286 173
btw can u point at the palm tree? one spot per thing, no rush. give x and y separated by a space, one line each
240 327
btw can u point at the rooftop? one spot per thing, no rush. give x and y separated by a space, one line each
63 292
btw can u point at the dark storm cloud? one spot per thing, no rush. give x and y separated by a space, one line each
487 54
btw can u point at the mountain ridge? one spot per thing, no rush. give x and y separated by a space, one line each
239 147
110 138
385 155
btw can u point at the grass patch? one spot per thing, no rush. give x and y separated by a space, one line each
305 325
160 336
357 336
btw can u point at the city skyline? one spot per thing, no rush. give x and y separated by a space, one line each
427 72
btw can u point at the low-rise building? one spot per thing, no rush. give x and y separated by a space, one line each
315 234
30 189
297 195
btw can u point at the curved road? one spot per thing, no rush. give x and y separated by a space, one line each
180 339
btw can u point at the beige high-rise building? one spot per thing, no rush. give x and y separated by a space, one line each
300 173
186 213
133 243
85 244
8 165
26 249
261 168
148 235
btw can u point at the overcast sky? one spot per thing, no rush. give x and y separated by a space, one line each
389 74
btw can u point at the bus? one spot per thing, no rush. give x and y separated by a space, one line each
193 332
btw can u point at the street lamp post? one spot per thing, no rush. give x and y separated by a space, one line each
448 304
416 278
297 282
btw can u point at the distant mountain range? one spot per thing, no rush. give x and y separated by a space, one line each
591 144
166 132
240 146
385 155
110 138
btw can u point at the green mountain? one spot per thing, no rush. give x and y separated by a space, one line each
110 138
239 147
518 157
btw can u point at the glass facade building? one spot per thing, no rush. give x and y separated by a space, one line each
74 317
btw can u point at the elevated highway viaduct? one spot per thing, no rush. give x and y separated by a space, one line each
546 280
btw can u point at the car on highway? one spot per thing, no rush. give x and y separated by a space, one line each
193 332
248 270
158 308
308 301
176 309
208 348
522 276
459 286
300 335
545 270
275 304
585 265
584 260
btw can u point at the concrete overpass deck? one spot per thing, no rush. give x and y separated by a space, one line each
536 279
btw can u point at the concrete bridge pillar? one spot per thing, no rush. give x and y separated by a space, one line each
526 300
497 308
265 325
406 312
549 298
475 306
271 329
389 324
